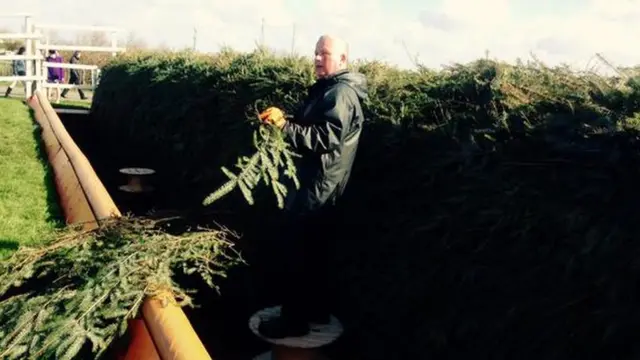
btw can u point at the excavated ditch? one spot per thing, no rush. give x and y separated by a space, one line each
220 320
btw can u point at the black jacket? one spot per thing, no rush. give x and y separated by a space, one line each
326 131
74 74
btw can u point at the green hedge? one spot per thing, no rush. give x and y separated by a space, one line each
492 209
191 110
195 107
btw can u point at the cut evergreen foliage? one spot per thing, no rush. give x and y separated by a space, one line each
491 210
71 297
196 106
214 127
272 157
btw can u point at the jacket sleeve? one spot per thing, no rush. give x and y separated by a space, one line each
326 132
73 72
61 70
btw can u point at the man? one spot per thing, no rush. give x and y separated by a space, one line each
326 132
74 77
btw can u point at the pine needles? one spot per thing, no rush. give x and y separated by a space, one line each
272 155
493 205
94 282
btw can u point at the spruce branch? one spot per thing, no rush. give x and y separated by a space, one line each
272 158
100 280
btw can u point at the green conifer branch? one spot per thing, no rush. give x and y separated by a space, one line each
96 281
272 158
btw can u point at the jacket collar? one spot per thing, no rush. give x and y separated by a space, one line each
323 83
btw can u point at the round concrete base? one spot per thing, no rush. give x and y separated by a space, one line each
320 334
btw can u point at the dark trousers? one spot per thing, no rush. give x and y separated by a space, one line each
73 81
306 247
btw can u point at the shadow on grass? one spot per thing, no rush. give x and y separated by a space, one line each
8 245
55 215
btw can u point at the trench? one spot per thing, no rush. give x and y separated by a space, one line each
219 319
467 309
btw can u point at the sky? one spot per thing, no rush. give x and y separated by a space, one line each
432 32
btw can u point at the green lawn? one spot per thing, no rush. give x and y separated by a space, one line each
29 211
73 104
72 99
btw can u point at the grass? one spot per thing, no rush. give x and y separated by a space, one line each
29 211
73 99
73 104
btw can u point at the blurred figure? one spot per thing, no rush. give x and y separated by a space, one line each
19 69
55 75
74 77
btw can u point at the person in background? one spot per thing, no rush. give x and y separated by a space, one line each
55 75
325 131
19 69
74 76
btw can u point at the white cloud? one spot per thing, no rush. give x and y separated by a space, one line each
454 31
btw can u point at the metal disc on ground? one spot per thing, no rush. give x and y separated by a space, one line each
320 334
73 111
137 171
264 356
135 184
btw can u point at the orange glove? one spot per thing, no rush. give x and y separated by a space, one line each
274 116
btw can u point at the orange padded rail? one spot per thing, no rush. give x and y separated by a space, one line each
83 197
171 331
141 346
164 332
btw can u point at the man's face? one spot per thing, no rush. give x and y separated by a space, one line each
328 58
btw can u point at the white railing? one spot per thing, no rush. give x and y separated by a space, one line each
92 68
35 58
30 50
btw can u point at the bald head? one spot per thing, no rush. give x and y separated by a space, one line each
338 45
331 56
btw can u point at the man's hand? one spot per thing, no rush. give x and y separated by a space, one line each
274 116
